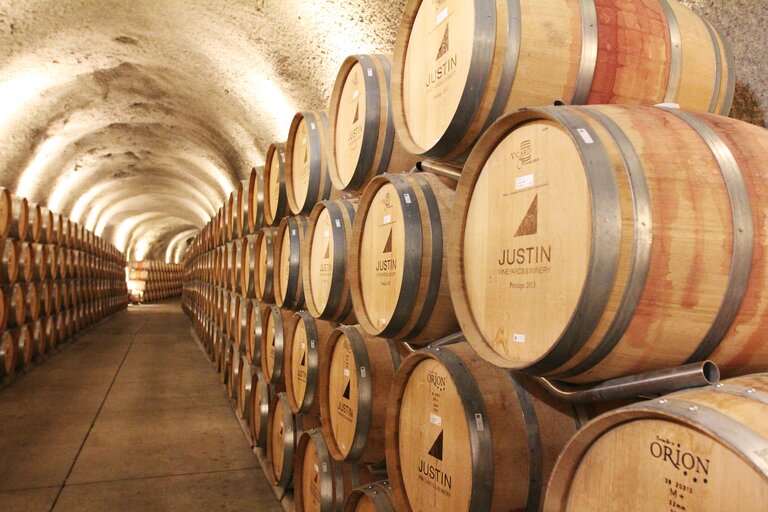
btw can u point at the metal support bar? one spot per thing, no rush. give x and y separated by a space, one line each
440 168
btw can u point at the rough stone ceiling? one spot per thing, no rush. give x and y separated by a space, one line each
137 118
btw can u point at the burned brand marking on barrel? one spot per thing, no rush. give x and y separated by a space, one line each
692 470
428 467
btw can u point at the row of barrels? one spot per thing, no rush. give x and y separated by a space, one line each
333 407
150 281
23 221
26 262
25 343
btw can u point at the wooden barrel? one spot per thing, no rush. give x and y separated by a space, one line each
235 266
302 362
254 330
398 212
264 268
356 372
33 222
322 484
258 405
288 282
283 431
248 265
307 181
233 384
26 262
275 200
31 302
45 298
326 274
40 344
241 324
25 349
39 262
375 497
361 132
702 449
14 214
452 79
276 329
46 226
644 242
464 435
9 272
15 305
242 207
7 353
256 200
245 381
51 335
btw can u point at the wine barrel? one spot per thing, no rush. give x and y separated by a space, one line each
258 405
307 181
288 283
14 214
302 362
10 262
26 262
283 431
248 266
245 381
459 66
701 449
241 324
51 335
669 246
398 212
39 262
265 264
464 435
7 353
46 300
276 329
242 207
326 276
322 484
375 497
232 219
39 342
25 349
31 302
361 133
256 200
275 200
254 330
233 384
15 305
235 266
46 226
356 372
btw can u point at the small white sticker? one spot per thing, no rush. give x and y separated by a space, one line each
303 345
441 16
293 232
383 321
387 219
327 234
585 136
479 422
312 344
370 72
338 223
312 125
435 419
518 338
346 372
362 371
304 141
526 181
317 469
355 94
325 467
407 198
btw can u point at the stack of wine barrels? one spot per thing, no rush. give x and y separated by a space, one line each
419 255
150 281
57 280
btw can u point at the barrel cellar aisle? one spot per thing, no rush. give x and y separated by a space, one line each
129 417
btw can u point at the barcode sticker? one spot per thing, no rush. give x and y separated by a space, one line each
312 125
479 422
435 419
327 234
304 141
338 223
312 344
387 219
407 198
441 16
346 372
355 94
585 136
370 72
518 338
526 181
293 232
362 371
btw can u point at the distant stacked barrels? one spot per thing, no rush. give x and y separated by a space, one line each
57 280
151 281
579 243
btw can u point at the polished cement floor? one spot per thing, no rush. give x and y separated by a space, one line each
131 417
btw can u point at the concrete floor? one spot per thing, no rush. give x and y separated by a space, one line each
131 417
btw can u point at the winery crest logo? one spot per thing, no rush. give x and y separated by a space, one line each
677 457
524 156
387 202
435 380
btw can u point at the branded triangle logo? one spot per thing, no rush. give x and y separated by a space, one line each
306 154
346 391
530 223
388 245
437 447
357 113
303 359
443 44
327 251
316 476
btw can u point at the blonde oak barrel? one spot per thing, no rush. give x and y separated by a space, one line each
46 226
231 215
242 207
256 200
307 181
284 429
264 268
288 282
15 305
276 329
31 302
25 349
302 362
241 324
51 334
375 497
356 373
245 383
326 272
247 266
398 275
10 262
14 215
233 373
258 409
639 255
458 66
26 262
703 449
322 484
235 266
361 132
464 435
275 199
254 331
7 354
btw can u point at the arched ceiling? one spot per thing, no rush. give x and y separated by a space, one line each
137 118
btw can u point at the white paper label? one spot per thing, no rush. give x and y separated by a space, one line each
407 198
325 467
355 94
435 419
362 371
479 422
338 223
312 125
293 232
387 219
526 181
585 136
346 372
518 338
441 16
383 321
304 141
326 234
370 72
312 344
